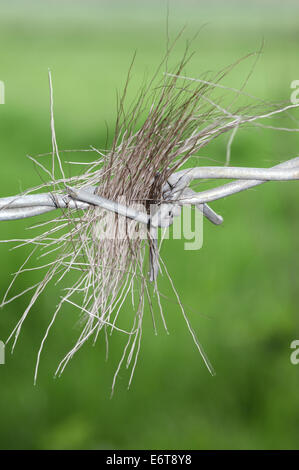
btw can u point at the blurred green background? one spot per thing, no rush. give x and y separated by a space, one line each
240 290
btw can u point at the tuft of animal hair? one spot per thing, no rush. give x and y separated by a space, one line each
98 274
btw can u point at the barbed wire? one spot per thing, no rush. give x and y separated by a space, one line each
175 192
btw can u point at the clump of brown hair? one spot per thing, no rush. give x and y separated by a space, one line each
183 117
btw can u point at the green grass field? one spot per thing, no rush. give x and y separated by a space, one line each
240 290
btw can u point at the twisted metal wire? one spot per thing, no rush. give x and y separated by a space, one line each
176 193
